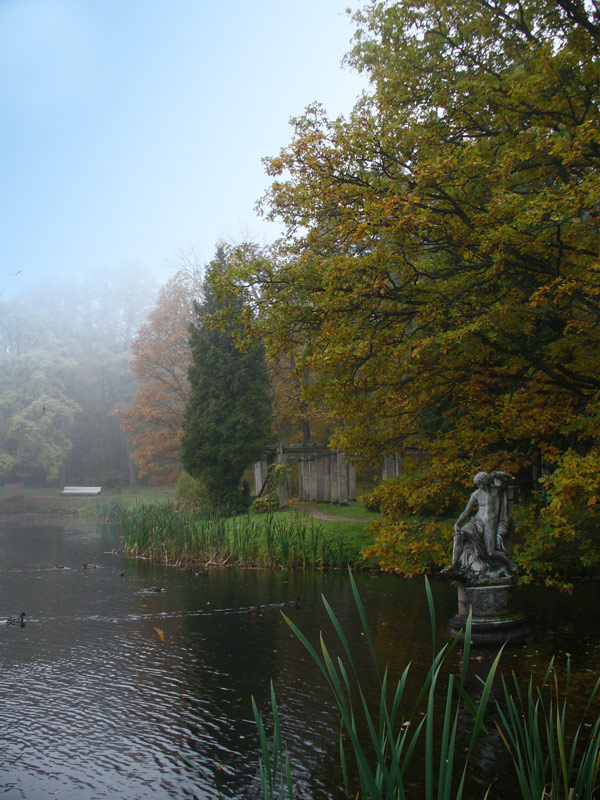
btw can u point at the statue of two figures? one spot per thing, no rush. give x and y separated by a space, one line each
482 541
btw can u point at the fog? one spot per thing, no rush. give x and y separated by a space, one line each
64 369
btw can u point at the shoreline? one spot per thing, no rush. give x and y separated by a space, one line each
50 506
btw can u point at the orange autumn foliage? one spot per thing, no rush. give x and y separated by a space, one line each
161 357
439 269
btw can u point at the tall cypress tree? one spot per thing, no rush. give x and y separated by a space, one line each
227 421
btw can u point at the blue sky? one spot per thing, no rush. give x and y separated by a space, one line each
133 130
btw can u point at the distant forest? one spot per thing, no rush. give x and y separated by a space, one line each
94 379
65 350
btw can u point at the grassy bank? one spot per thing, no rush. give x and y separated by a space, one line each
169 534
50 501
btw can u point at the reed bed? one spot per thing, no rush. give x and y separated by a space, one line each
109 508
171 534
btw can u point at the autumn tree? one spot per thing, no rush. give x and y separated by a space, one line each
439 269
161 359
227 420
297 419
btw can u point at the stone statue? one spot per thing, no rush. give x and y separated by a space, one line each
482 542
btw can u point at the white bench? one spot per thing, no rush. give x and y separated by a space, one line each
81 490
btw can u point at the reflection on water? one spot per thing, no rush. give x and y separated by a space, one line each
95 704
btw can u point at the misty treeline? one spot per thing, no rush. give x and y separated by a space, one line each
94 379
65 348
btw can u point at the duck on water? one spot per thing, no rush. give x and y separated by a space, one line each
17 620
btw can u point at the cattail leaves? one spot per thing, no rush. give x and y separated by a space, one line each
550 758
383 742
274 765
385 737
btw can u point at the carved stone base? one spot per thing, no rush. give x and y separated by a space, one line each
493 620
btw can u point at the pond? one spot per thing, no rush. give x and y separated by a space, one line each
109 684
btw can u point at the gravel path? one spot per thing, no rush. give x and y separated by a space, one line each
318 514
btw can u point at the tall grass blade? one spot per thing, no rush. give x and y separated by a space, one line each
431 606
363 618
275 783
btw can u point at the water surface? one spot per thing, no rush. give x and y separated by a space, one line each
96 702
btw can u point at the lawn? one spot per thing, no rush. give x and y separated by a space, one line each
48 500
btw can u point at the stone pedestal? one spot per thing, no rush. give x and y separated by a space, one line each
493 619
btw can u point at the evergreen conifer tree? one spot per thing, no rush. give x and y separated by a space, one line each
227 421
